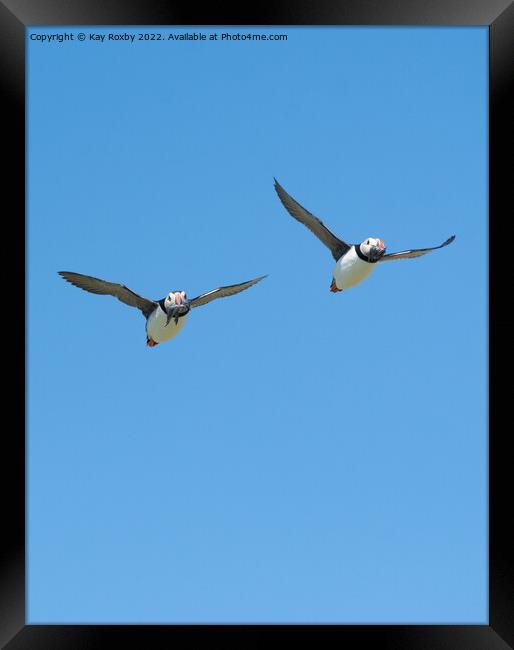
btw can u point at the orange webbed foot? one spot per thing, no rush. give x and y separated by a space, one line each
333 287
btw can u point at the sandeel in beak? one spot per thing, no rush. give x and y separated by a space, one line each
177 311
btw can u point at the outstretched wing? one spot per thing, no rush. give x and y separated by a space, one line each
415 252
120 291
337 246
222 292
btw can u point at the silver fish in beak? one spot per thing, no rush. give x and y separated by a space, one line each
181 308
376 252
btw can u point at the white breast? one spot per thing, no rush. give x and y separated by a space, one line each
156 326
350 270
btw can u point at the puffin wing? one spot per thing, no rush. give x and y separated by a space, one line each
222 292
415 252
120 291
337 246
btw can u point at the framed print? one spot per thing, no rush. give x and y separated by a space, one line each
301 455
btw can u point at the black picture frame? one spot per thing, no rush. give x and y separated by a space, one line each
498 15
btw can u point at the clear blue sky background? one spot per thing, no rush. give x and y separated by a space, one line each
293 455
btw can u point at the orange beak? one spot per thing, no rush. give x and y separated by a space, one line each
178 298
381 244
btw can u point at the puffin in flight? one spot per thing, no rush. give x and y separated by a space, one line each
354 262
164 318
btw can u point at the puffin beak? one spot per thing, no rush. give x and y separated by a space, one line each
178 298
381 245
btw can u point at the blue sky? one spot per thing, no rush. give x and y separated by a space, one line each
293 455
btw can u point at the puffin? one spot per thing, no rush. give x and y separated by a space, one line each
354 262
164 318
